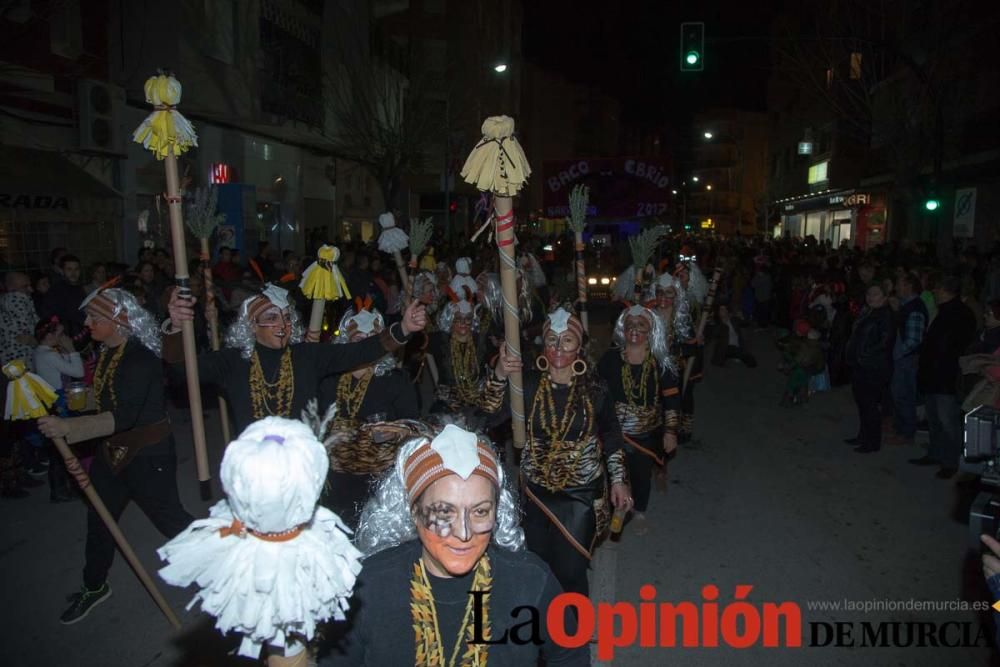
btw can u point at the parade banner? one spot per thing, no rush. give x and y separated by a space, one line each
620 187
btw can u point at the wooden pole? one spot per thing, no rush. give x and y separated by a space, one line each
81 477
581 281
316 319
702 321
213 328
511 312
187 326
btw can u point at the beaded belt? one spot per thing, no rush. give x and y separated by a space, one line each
239 530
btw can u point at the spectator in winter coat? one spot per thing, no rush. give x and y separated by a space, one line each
949 335
869 354
911 324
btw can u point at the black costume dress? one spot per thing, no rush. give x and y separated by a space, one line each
566 471
311 362
652 409
379 626
356 461
133 393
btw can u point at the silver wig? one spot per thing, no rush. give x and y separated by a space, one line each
680 327
447 316
387 520
697 284
658 344
141 324
381 367
240 334
490 293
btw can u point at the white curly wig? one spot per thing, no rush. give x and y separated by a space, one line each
658 343
387 520
240 334
384 365
681 322
447 315
116 305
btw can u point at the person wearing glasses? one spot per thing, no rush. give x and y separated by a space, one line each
265 369
574 450
642 381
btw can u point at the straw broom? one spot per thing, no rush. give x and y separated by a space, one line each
577 221
393 240
643 246
168 134
322 282
202 221
498 165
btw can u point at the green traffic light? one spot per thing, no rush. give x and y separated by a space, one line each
932 204
692 57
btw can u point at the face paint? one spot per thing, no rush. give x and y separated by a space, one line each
455 519
561 350
273 328
461 327
637 330
665 298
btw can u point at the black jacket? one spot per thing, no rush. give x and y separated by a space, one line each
869 348
949 335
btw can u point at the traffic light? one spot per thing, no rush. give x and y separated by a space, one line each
692 47
932 203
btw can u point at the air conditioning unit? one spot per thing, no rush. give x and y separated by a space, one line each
99 117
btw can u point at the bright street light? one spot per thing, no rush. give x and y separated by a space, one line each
708 135
694 178
673 191
708 187
500 68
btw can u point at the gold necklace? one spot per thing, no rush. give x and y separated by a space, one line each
349 399
104 375
427 632
556 477
636 395
264 394
464 368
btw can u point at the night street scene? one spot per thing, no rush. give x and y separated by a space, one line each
481 333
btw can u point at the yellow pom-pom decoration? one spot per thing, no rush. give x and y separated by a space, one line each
165 127
28 395
323 280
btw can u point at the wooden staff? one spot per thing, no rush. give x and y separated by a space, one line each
167 134
322 282
497 164
213 329
578 200
81 477
702 321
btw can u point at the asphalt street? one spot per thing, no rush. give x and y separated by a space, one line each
767 497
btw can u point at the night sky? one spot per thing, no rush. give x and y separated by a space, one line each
630 49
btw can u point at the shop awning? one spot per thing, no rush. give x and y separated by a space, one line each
45 186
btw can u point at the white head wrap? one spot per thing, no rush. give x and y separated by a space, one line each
265 589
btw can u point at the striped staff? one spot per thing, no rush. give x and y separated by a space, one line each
702 322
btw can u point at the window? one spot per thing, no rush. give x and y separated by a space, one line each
856 65
817 172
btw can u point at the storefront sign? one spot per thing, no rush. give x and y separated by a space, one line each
965 213
858 199
33 201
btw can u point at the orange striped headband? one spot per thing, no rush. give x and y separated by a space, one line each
427 464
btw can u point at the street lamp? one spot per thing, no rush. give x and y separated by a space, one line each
708 135
500 68
708 187
695 179
673 192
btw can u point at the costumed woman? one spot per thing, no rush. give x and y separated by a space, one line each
265 371
574 451
136 460
641 377
440 531
269 564
460 362
692 350
425 292
378 392
667 298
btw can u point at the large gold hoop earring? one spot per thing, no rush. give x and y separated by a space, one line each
577 370
541 363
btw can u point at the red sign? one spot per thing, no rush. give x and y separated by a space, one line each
619 187
221 173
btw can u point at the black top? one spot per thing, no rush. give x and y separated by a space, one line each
311 362
869 348
610 370
951 332
381 633
138 394
392 394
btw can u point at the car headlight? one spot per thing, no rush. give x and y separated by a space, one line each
605 281
591 281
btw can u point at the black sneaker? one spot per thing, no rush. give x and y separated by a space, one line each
81 603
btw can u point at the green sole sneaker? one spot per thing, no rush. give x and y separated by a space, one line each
81 603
